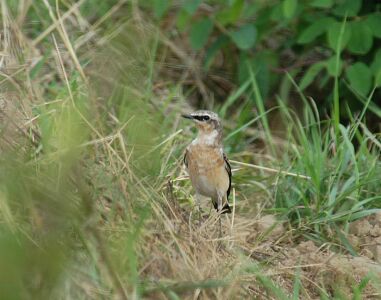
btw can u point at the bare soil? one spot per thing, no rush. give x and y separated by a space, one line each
261 245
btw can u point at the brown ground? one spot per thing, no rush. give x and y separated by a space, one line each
193 253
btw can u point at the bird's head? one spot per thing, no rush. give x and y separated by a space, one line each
207 122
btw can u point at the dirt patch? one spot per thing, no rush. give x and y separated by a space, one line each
365 236
321 269
325 269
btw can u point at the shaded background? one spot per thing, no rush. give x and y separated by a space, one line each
221 40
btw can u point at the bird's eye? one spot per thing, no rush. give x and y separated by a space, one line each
206 118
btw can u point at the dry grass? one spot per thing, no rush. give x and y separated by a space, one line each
80 108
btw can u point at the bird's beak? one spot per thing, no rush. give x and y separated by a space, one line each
187 116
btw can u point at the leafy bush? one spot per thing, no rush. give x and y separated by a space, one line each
300 37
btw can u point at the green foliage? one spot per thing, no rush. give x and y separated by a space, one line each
331 67
311 73
322 3
190 6
230 14
244 37
342 187
374 23
333 35
360 78
361 39
314 30
348 8
160 7
289 8
200 32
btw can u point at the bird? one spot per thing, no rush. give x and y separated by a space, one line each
206 163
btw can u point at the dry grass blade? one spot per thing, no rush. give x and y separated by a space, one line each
65 38
57 23
270 170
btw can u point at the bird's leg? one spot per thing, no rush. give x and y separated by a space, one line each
220 223
219 203
219 206
198 202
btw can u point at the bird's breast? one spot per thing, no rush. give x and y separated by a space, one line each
204 159
206 168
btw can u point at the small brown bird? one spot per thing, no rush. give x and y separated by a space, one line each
206 162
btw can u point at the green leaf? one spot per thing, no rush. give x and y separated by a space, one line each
220 42
378 79
376 63
376 68
345 241
250 10
245 36
160 7
333 35
236 10
330 64
361 39
349 8
374 23
363 213
200 32
322 3
190 6
276 12
260 65
231 14
182 20
297 284
314 30
289 8
310 75
360 78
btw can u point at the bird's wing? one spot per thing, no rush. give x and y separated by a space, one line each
185 160
228 169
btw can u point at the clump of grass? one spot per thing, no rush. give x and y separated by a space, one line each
344 173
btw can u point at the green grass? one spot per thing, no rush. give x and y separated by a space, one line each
93 199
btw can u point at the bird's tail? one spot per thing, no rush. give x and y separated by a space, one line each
225 209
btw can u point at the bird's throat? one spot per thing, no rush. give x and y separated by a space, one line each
209 138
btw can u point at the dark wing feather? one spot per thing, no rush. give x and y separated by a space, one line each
228 169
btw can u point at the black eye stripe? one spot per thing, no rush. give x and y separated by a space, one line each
202 118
